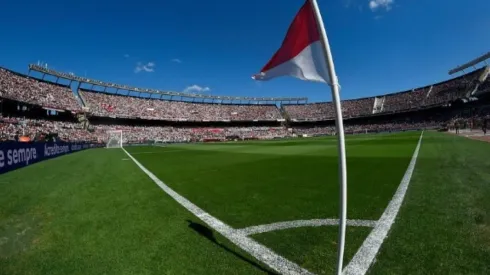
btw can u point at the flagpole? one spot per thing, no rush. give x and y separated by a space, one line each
334 85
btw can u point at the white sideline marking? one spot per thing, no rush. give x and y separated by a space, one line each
156 152
141 153
366 254
258 229
258 251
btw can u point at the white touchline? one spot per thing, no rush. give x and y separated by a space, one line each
156 152
366 254
258 229
260 252
142 153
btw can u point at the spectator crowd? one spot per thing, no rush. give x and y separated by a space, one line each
437 94
50 95
367 128
25 89
138 134
405 100
37 92
12 128
105 105
310 112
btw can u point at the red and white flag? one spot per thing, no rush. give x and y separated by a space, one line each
302 53
305 54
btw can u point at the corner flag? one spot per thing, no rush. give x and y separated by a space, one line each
305 54
301 54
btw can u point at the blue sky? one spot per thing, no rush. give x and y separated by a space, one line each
379 46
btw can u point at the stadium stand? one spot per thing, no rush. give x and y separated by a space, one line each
453 89
24 99
357 107
29 90
107 105
405 100
367 128
11 128
485 86
437 94
310 112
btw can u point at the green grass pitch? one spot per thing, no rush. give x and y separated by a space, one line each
96 212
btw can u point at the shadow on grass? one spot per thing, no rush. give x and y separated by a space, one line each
209 234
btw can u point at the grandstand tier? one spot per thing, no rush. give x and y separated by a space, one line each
26 122
34 107
161 94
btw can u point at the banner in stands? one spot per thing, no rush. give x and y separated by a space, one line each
14 155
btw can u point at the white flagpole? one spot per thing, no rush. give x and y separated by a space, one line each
334 85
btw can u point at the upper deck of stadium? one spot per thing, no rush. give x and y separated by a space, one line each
109 99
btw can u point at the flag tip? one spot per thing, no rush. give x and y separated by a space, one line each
259 76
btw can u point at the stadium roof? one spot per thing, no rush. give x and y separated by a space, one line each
72 77
470 64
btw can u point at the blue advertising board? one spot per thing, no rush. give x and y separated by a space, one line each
14 155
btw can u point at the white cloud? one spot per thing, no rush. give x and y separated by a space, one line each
126 56
196 89
148 67
383 4
176 60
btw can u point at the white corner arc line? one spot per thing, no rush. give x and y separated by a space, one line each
366 254
263 228
258 251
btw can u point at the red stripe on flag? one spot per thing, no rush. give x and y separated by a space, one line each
301 33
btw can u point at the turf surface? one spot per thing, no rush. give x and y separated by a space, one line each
444 224
95 212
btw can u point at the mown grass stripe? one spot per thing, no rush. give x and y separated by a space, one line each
258 251
366 254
